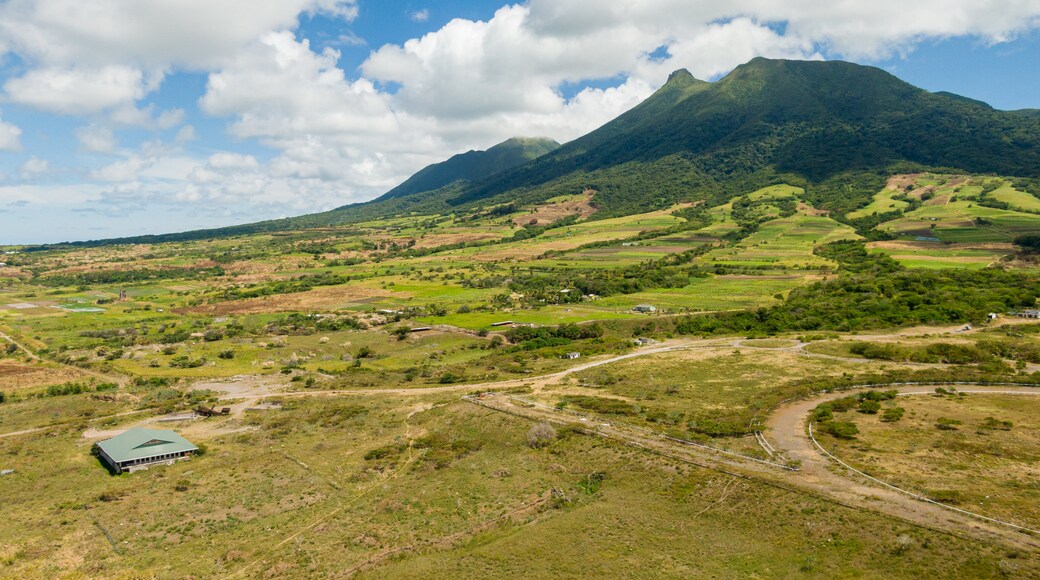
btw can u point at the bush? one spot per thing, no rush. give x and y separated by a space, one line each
227 354
869 407
997 424
186 362
947 496
449 378
541 435
840 429
946 424
893 414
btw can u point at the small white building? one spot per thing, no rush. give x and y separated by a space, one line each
572 355
646 308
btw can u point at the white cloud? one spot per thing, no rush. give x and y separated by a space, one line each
10 137
169 118
79 91
96 139
34 166
420 15
185 33
185 134
232 161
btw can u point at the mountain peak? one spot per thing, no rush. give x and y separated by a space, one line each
681 74
474 165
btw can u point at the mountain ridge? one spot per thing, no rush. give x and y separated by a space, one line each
834 128
473 165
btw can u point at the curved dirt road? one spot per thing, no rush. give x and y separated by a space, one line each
786 427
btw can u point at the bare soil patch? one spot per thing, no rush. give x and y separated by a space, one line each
19 375
547 214
902 181
435 240
317 299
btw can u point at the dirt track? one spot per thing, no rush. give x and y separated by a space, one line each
786 428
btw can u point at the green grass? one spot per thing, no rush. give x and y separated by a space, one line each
296 497
882 203
708 294
784 243
1019 200
990 471
958 221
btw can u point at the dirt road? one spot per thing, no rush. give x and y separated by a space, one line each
786 429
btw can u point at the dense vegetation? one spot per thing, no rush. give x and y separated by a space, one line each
875 292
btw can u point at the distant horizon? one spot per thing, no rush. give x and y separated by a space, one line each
281 109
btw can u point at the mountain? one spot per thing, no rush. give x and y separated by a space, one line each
1027 112
812 121
474 165
835 128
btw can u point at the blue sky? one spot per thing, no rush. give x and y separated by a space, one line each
122 117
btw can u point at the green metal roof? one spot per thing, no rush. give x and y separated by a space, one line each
139 443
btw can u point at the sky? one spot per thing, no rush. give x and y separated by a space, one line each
129 117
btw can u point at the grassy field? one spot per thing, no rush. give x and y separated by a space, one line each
957 450
349 449
784 243
936 255
394 487
963 221
882 203
1019 200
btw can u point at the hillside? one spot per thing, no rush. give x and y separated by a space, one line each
836 129
812 120
473 165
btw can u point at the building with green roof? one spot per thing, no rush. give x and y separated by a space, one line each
139 446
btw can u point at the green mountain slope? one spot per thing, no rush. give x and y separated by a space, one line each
812 120
474 165
834 128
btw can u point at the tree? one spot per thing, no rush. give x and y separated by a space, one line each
1029 243
541 435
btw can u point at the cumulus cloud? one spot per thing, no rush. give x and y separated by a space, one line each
185 134
10 137
197 34
33 167
96 139
78 91
420 15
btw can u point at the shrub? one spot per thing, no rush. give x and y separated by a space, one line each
948 496
384 452
840 429
869 407
822 413
946 424
592 482
541 435
227 354
893 414
186 362
997 424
